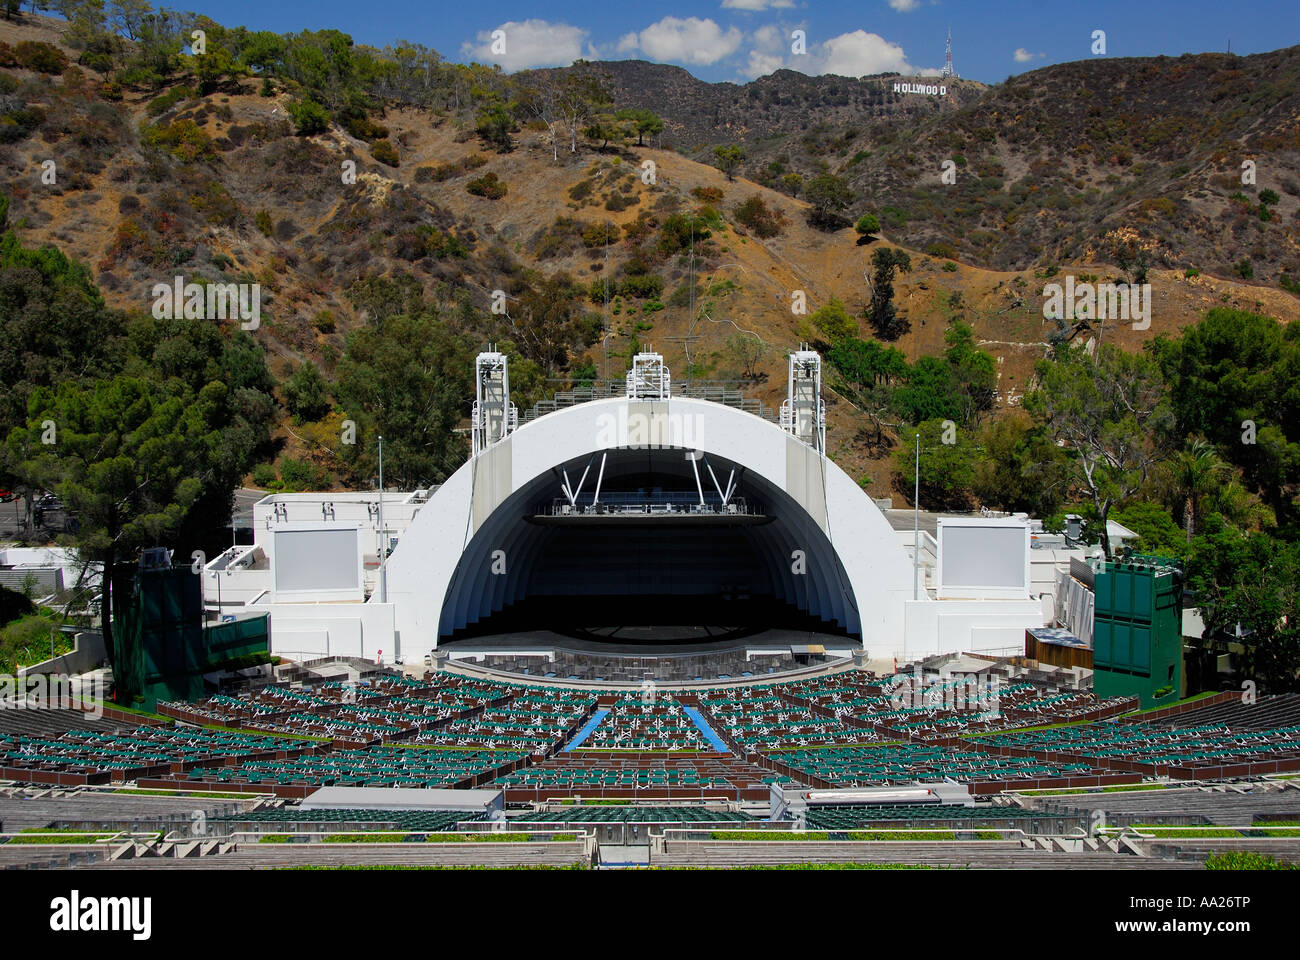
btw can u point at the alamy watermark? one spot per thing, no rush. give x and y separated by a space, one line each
967 693
1099 301
87 914
52 691
649 430
208 301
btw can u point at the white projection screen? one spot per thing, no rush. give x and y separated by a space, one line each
983 559
316 560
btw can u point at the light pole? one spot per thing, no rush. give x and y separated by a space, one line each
383 538
604 320
916 526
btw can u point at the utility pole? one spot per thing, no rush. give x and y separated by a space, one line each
383 534
604 324
690 328
916 526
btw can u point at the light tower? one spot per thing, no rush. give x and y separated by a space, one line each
948 71
494 416
648 379
803 412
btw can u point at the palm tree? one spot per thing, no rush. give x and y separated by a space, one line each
1194 473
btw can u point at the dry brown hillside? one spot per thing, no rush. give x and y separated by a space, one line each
259 201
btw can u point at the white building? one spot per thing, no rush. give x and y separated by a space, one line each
632 509
48 571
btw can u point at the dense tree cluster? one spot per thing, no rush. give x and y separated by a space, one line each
142 427
1192 443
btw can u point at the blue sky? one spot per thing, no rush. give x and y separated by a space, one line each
739 39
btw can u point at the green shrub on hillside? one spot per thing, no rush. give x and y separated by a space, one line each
300 475
160 105
385 153
759 217
27 640
489 185
183 139
446 171
309 117
599 234
41 57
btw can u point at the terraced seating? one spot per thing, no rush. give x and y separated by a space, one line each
375 767
757 718
283 698
337 726
453 690
278 856
909 763
534 721
380 709
91 810
1267 713
853 816
221 708
633 725
853 707
350 818
838 687
1192 849
971 854
430 708
633 814
1274 801
1184 748
919 706
843 728
92 751
639 775
52 722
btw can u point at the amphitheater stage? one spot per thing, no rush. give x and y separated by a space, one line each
667 655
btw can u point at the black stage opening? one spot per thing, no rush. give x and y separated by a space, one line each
626 539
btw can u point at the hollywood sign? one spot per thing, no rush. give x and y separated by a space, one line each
934 90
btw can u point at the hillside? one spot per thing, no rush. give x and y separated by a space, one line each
771 108
1050 163
154 183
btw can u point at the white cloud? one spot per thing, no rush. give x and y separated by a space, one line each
528 43
757 4
854 54
1024 56
770 38
904 6
693 41
761 64
858 53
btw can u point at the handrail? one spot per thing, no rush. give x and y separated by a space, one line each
684 504
601 390
797 836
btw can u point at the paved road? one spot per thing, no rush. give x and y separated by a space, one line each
54 522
